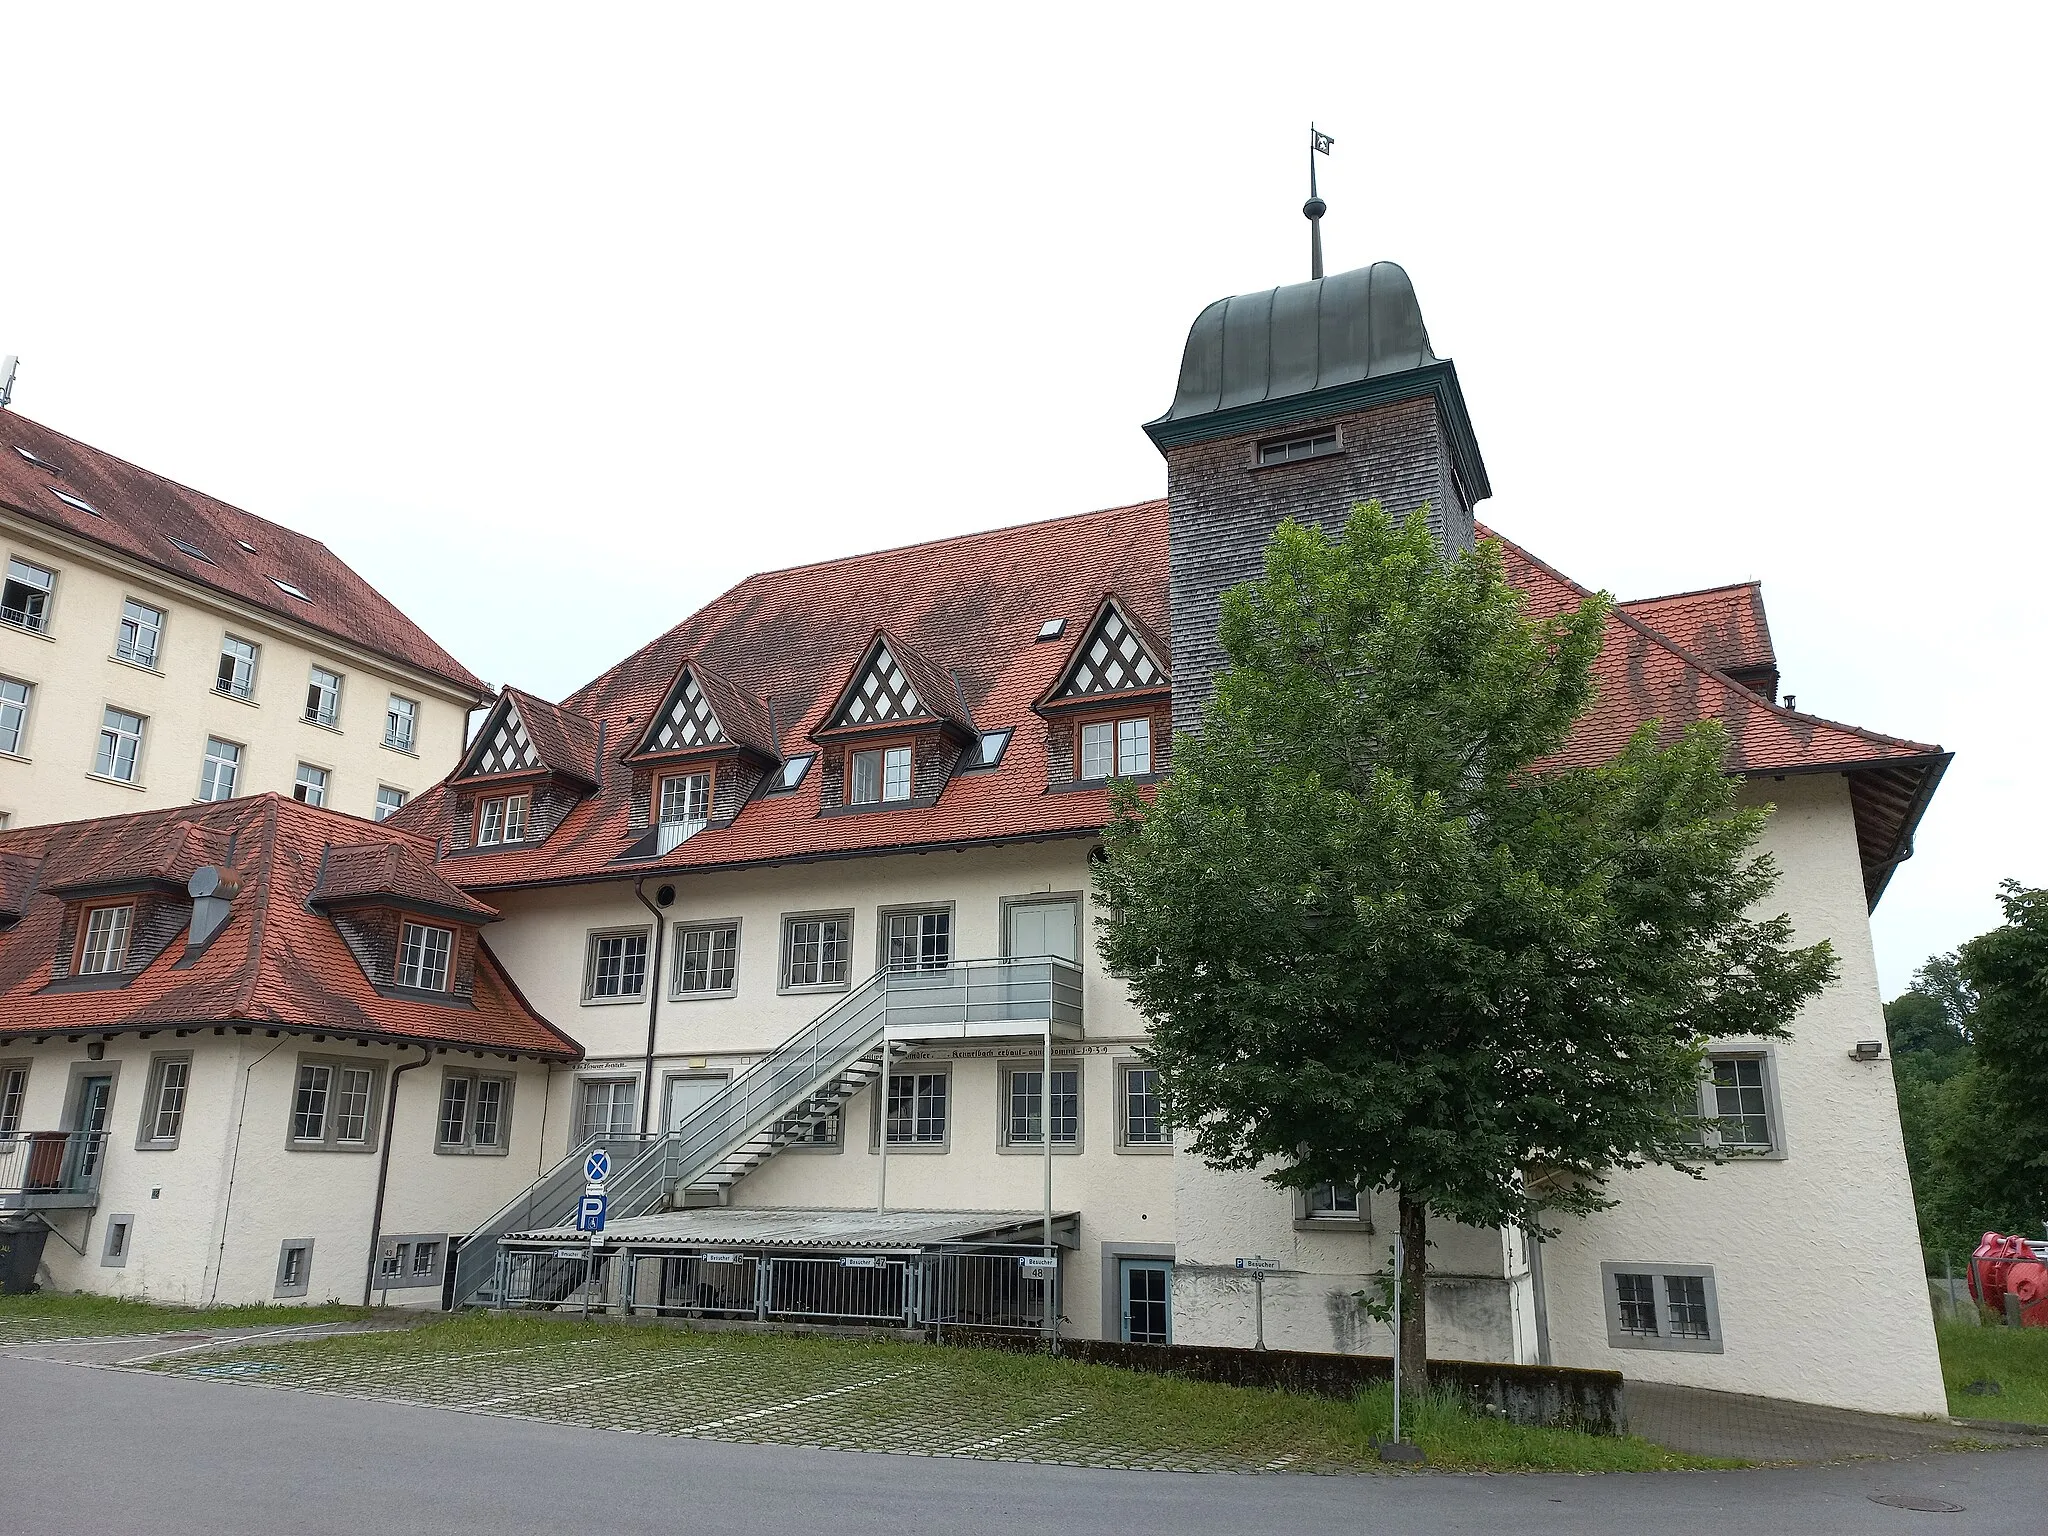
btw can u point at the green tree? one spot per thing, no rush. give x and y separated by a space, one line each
1386 935
2008 970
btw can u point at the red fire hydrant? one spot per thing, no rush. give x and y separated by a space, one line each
2011 1266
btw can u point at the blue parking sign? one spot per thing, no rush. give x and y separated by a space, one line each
590 1212
598 1166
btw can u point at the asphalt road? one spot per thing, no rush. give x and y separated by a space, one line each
123 1453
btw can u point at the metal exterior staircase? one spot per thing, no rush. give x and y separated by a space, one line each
772 1102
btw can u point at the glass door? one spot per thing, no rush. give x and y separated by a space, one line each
95 1104
1148 1300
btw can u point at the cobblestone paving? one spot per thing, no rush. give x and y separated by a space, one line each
712 1387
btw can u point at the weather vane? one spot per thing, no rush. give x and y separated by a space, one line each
1318 144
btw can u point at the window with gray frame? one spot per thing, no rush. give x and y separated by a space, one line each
707 959
323 698
219 769
917 1107
1738 1093
1142 1121
163 1106
606 1106
476 1113
918 941
14 698
13 1094
617 968
817 951
120 749
1024 1105
142 629
400 716
411 1261
116 1241
25 598
294 1267
334 1105
236 674
1332 1202
1662 1306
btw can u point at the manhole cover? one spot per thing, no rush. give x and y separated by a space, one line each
1916 1501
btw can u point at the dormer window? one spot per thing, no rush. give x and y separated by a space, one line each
1319 444
1116 748
104 949
684 807
423 957
502 820
879 776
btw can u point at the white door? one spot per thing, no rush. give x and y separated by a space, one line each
687 1095
1045 928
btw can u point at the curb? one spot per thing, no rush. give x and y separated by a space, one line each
2001 1426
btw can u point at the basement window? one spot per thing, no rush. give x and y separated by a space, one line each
1662 1306
1319 444
70 500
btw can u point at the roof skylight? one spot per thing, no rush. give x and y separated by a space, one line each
246 545
1052 629
793 771
70 500
38 460
992 745
289 590
190 549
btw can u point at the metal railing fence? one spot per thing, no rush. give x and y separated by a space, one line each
51 1169
549 1201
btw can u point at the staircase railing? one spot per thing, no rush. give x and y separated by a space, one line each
550 1201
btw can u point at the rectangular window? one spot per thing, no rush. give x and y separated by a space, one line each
1133 747
917 1109
707 957
1741 1102
685 797
13 1091
473 1114
1331 1202
618 966
25 600
163 1109
423 957
217 774
310 785
605 1107
918 941
1144 1123
1310 445
236 674
388 800
141 628
1098 740
120 751
1023 1101
864 779
13 714
426 1260
817 951
896 773
323 698
334 1106
105 946
501 821
1661 1306
294 1267
400 715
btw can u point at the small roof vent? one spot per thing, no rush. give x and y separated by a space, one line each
1052 629
70 500
190 549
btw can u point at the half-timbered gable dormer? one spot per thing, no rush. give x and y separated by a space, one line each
413 933
125 899
528 767
1109 711
707 750
894 735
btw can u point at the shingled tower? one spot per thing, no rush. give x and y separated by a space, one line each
1301 402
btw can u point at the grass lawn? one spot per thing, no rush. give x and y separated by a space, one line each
879 1395
47 1315
2015 1358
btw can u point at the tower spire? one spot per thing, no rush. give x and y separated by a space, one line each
1313 210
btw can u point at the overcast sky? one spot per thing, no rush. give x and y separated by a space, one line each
555 322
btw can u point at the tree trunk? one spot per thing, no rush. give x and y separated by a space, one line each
1414 1297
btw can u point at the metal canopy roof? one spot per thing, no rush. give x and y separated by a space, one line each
749 1227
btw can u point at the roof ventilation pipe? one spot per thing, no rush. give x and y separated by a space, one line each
213 893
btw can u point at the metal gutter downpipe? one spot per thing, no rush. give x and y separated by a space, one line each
654 985
384 1166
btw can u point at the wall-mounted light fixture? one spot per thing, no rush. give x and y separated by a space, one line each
96 1051
1867 1050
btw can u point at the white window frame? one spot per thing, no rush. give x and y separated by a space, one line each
47 587
1098 751
594 963
682 936
1315 1211
1124 1140
211 765
14 716
385 810
313 791
107 757
1660 1276
401 741
478 1088
240 681
104 947
1134 747
13 1094
580 1130
1007 1088
133 627
785 964
323 702
861 787
508 825
899 774
927 928
413 969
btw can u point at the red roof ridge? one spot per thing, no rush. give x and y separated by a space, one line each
1650 632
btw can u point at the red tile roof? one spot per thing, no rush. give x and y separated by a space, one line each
565 740
394 868
277 964
139 514
975 604
1723 626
